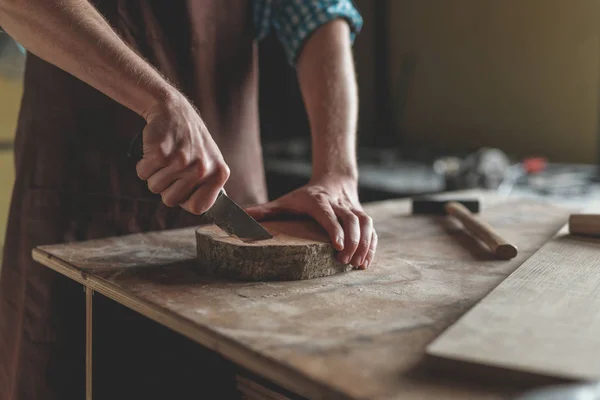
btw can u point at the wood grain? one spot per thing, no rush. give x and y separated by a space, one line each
358 335
542 319
298 250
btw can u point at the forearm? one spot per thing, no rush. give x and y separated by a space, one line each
328 84
72 35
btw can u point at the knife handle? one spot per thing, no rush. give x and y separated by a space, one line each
136 147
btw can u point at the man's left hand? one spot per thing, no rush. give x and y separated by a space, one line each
334 204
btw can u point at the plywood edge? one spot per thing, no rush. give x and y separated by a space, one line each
487 373
507 371
282 375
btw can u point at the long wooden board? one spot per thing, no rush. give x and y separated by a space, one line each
356 335
543 319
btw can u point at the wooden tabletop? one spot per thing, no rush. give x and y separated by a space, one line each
358 335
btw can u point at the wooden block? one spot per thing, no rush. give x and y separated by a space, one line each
542 319
298 250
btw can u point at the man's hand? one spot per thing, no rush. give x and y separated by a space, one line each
181 161
334 204
328 84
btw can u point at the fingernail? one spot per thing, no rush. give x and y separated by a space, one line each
346 259
367 264
339 242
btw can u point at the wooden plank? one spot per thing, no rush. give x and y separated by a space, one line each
89 293
542 319
356 335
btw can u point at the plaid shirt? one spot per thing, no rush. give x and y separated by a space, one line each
295 20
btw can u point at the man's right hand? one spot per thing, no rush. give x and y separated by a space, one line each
181 162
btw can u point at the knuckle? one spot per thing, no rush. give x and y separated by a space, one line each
375 236
364 218
222 172
182 158
354 241
161 153
331 217
200 168
373 245
320 197
327 213
352 219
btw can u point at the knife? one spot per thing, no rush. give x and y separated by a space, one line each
224 213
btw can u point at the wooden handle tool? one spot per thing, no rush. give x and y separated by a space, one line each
481 230
584 224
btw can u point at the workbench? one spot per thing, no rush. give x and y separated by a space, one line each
357 335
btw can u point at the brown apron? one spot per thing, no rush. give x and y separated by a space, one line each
75 182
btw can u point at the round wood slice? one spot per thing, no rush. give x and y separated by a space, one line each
298 250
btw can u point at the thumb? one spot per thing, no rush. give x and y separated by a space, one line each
264 211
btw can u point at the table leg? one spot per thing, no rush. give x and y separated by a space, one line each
88 343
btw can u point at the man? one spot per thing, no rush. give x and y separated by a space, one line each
184 73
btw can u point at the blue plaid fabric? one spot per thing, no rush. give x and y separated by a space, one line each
295 20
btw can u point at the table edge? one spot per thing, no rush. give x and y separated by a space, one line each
286 376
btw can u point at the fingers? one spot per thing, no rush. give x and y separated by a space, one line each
193 184
264 211
371 252
164 178
350 229
351 233
361 239
155 158
181 162
178 193
207 192
201 200
147 167
323 213
366 234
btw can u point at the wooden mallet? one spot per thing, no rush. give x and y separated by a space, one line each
463 210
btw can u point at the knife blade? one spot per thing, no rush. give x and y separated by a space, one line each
224 213
231 218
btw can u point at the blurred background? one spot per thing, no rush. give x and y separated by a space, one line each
454 94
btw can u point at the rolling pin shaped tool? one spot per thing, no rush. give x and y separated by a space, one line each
224 213
463 210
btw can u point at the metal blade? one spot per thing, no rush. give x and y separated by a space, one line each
230 217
